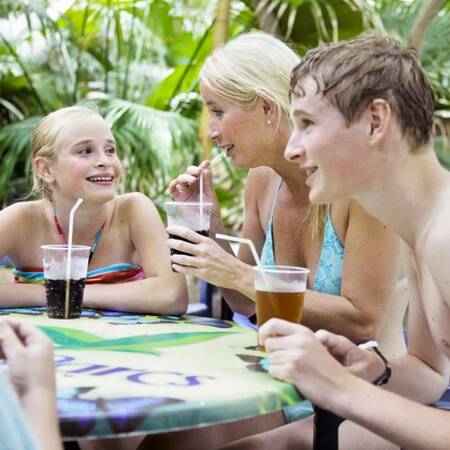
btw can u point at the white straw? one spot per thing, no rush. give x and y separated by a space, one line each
201 201
241 241
69 254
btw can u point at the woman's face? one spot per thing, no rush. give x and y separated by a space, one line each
86 163
240 131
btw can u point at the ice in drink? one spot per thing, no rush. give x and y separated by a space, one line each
64 289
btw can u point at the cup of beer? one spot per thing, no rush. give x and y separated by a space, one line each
193 215
64 288
280 292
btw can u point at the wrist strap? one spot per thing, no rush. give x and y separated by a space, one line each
384 377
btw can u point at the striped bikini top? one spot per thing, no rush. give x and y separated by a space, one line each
116 273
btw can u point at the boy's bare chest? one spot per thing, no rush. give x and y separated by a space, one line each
436 308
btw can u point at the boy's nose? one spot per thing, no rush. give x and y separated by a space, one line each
294 152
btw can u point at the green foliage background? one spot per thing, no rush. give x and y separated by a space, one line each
138 62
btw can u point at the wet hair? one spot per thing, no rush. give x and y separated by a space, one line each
44 138
351 74
250 67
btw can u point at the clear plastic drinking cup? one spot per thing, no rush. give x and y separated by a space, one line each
64 289
193 215
280 292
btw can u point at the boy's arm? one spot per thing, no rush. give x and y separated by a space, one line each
400 420
423 373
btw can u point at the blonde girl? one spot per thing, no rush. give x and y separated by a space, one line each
74 156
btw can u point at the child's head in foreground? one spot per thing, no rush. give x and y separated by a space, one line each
351 74
73 141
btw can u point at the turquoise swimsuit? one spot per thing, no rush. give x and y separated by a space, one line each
328 279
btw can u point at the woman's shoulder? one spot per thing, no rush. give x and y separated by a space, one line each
261 180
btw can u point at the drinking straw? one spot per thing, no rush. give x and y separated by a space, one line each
201 201
69 255
226 237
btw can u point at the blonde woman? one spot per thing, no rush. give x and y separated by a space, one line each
354 259
74 156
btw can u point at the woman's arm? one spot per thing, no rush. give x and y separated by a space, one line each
214 262
371 268
162 291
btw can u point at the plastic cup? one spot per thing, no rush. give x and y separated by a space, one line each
280 292
64 296
193 215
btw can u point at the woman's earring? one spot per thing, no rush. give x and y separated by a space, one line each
269 122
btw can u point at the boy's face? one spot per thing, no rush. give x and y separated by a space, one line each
335 156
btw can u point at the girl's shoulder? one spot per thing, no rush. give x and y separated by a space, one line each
133 203
24 211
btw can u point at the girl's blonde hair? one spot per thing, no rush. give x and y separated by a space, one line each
250 67
44 138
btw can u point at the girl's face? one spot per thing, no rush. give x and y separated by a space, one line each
86 163
242 132
335 156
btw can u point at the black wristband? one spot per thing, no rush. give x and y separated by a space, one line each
385 377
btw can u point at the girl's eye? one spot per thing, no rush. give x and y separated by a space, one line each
217 112
111 150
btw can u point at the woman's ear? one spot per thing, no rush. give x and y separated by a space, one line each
270 111
43 169
379 114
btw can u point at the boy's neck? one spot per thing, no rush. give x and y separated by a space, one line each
408 194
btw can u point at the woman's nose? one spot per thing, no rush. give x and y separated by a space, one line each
213 132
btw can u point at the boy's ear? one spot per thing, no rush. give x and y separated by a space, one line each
379 118
43 169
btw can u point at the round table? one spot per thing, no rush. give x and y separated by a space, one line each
123 373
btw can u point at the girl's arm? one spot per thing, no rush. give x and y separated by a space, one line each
13 221
370 271
162 291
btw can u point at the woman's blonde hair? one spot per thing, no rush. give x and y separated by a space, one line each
44 138
254 66
250 67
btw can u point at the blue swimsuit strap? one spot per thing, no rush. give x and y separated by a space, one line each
268 251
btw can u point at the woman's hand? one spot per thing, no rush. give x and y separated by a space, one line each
186 187
320 364
205 260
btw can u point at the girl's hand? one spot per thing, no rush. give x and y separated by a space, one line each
320 365
186 187
205 260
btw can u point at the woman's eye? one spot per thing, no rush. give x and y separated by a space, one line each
85 151
306 123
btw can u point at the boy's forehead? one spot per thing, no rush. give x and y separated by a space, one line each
311 101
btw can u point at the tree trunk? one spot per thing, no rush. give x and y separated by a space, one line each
219 37
426 15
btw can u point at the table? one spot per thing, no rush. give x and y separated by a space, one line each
128 374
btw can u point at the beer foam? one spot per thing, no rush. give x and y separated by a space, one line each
280 286
56 270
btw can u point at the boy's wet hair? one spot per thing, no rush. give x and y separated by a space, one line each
351 74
